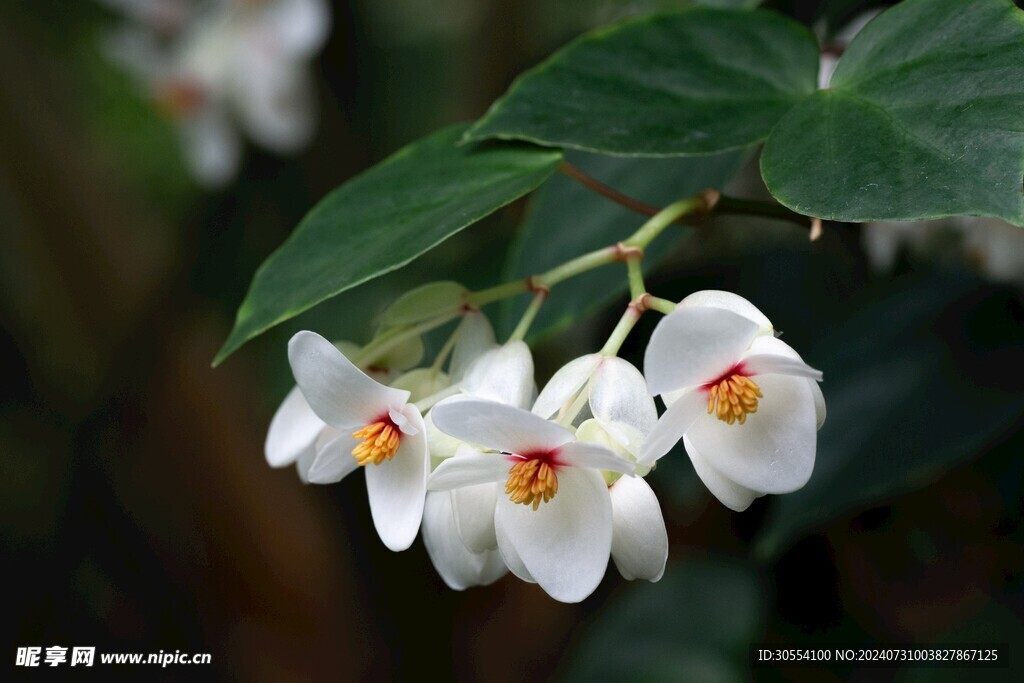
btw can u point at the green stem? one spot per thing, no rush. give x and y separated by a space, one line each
637 288
660 305
621 331
376 349
498 292
664 218
449 345
531 312
580 264
569 412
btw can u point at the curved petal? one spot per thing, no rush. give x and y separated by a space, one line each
476 337
469 469
819 403
305 462
300 27
498 426
397 488
595 456
728 492
774 450
511 557
275 100
715 298
565 384
293 429
339 393
621 403
695 345
504 374
772 356
639 538
671 426
474 515
333 461
566 542
458 566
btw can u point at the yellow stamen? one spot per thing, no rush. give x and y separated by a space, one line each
531 482
380 443
732 399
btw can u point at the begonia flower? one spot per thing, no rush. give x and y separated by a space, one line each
554 523
370 426
744 403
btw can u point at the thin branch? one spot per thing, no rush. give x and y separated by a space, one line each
725 204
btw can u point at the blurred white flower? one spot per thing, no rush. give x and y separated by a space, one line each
369 425
744 403
234 63
554 523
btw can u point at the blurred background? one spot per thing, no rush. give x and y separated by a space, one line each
138 513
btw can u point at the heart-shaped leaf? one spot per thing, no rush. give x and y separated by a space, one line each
924 118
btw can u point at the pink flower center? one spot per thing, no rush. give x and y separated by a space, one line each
733 396
380 441
532 480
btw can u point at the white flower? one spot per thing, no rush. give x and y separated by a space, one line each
616 394
745 404
458 531
554 525
369 425
294 429
237 63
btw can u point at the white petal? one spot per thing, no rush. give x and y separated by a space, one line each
774 450
458 566
334 459
497 426
593 456
300 27
728 492
441 445
293 429
504 374
469 469
639 538
819 403
476 337
212 148
275 101
397 488
770 355
620 401
566 542
339 393
673 423
511 557
474 515
770 364
305 461
565 384
695 345
714 298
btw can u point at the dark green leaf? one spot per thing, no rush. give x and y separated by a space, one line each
924 118
566 220
916 383
385 218
694 82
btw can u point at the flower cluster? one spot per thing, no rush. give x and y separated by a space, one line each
212 67
549 486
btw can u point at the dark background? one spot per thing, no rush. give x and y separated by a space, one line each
138 513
